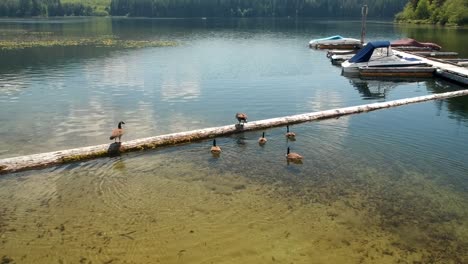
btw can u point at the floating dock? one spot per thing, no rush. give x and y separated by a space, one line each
412 48
445 69
448 74
437 54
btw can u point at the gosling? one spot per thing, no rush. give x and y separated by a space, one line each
117 132
290 135
292 156
215 149
241 117
262 140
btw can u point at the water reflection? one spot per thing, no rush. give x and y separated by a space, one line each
381 87
458 106
10 89
119 72
175 90
372 89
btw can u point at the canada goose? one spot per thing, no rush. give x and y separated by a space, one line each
292 156
290 135
215 149
117 132
262 140
241 117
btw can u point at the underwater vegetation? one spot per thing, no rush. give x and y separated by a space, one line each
33 40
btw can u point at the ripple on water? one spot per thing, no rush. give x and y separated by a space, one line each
182 204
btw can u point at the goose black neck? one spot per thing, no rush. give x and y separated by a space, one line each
287 128
214 142
288 150
120 125
263 134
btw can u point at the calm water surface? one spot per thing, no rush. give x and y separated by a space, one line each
383 187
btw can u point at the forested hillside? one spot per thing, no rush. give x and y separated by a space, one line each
27 8
435 11
200 8
254 8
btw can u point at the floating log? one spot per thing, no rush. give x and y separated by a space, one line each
419 72
72 155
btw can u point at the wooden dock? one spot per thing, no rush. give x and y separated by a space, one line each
437 54
448 70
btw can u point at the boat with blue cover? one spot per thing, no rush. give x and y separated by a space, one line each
336 41
378 54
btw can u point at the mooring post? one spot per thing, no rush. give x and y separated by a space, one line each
363 25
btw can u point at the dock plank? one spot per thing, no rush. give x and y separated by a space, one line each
461 72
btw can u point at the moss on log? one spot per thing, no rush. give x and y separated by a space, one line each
78 154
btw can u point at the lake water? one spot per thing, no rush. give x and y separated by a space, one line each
389 186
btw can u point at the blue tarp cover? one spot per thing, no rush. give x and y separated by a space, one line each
365 53
329 38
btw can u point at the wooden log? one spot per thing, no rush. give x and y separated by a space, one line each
71 155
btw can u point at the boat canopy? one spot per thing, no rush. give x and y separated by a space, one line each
336 37
365 53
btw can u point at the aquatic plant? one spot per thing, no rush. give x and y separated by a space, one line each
107 41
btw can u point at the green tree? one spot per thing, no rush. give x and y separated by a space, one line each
436 11
25 7
422 10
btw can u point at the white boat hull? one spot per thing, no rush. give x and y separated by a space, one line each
337 42
386 61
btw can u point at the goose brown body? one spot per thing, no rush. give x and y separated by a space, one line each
262 140
117 132
215 149
293 156
290 135
241 117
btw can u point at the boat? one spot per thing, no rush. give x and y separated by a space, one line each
410 44
378 54
339 56
337 42
397 72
